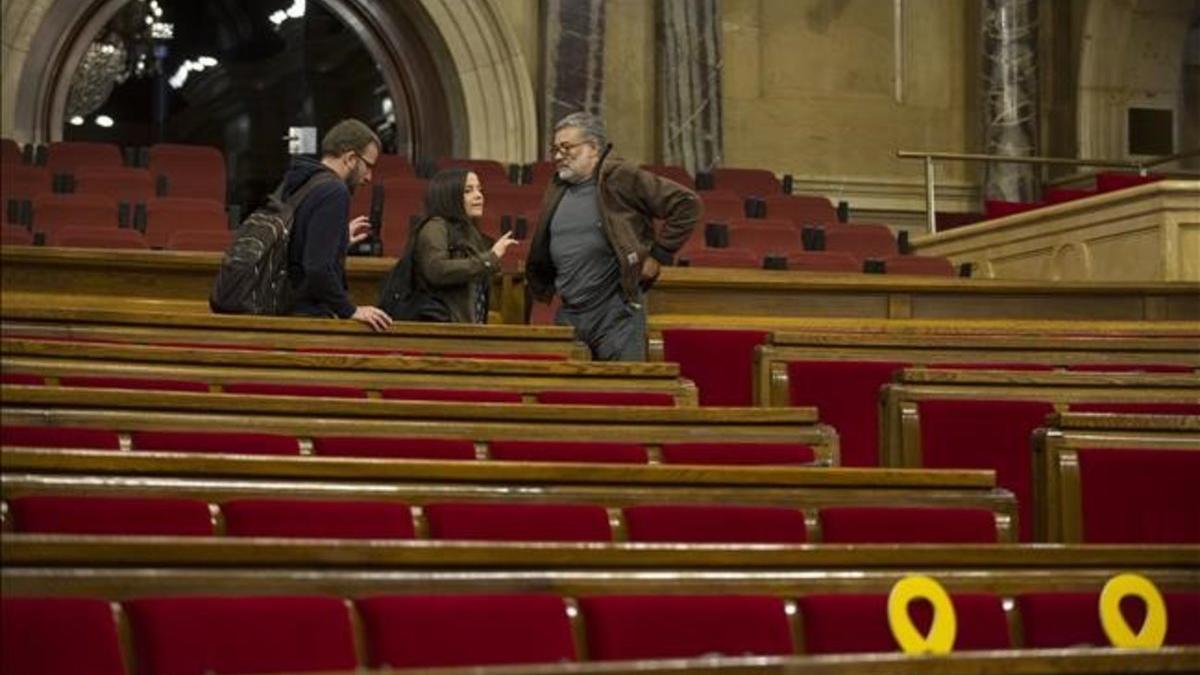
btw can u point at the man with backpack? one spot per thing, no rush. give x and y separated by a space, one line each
322 230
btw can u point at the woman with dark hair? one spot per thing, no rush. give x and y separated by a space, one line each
454 261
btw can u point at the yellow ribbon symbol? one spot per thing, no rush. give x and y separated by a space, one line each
1153 630
944 627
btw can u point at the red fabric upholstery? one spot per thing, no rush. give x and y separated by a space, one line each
59 437
734 258
199 240
1131 368
216 441
1063 195
676 626
855 623
390 166
26 379
241 634
568 451
672 172
737 453
84 236
111 515
426 631
518 522
722 206
14 235
394 448
921 265
169 215
801 209
68 156
746 182
905 525
982 434
277 389
720 362
1139 496
192 171
1146 408
846 394
643 398
106 382
55 211
52 636
765 238
705 523
995 208
823 261
861 240
318 518
24 182
1107 181
10 153
464 395
125 184
1051 620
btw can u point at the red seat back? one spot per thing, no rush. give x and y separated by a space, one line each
216 441
801 209
746 182
59 437
70 156
83 236
282 389
1052 620
737 453
823 261
1140 496
166 216
10 153
15 235
47 514
722 206
394 448
518 522
568 451
931 266
461 395
24 182
858 623
48 636
720 362
148 383
907 525
1107 181
52 211
125 184
311 518
715 524
846 395
864 241
639 398
996 208
765 237
191 171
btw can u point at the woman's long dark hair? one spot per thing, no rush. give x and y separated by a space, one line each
444 196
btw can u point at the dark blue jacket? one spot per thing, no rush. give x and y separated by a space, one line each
319 239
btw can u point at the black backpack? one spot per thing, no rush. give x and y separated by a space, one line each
400 295
253 276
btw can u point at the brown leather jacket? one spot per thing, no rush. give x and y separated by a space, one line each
451 269
630 199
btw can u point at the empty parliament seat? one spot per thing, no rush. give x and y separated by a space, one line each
720 362
15 235
52 635
568 451
857 623
170 215
733 453
190 171
1139 495
746 182
765 237
641 398
10 153
111 382
906 525
429 631
59 437
823 261
225 442
111 515
1056 620
125 184
703 523
241 634
86 236
279 389
67 157
864 241
801 209
54 211
311 518
518 522
395 448
462 395
625 627
18 181
722 206
921 265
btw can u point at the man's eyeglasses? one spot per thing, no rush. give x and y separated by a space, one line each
564 148
370 165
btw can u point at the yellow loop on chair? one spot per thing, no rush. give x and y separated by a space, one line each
1153 631
944 627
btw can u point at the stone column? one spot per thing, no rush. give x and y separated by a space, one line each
689 58
574 60
1010 96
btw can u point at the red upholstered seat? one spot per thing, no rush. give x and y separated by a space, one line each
279 389
672 172
1131 368
24 182
765 237
106 382
722 206
10 153
823 261
746 182
737 453
427 631
734 258
125 184
906 525
15 235
642 398
846 394
216 441
111 515
318 519
856 623
1107 181
1063 195
720 362
715 524
52 212
199 240
518 522
84 236
801 209
677 626
59 437
193 171
996 208
861 240
394 448
464 395
985 434
569 451
1056 620
241 634
1139 496
1143 408
919 265
169 215
27 379
52 636
70 156
390 166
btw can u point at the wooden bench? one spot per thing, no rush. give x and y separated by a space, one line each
1057 475
370 372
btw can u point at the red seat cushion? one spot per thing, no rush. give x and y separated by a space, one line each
111 515
318 519
464 395
981 434
59 437
1107 181
277 389
241 634
906 525
51 636
677 626
856 623
216 441
1135 408
1140 496
27 379
568 451
645 398
518 522
720 362
846 394
426 631
737 453
1055 620
394 448
105 382
703 523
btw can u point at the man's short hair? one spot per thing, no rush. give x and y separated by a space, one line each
348 136
591 126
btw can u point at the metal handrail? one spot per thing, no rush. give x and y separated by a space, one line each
929 157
